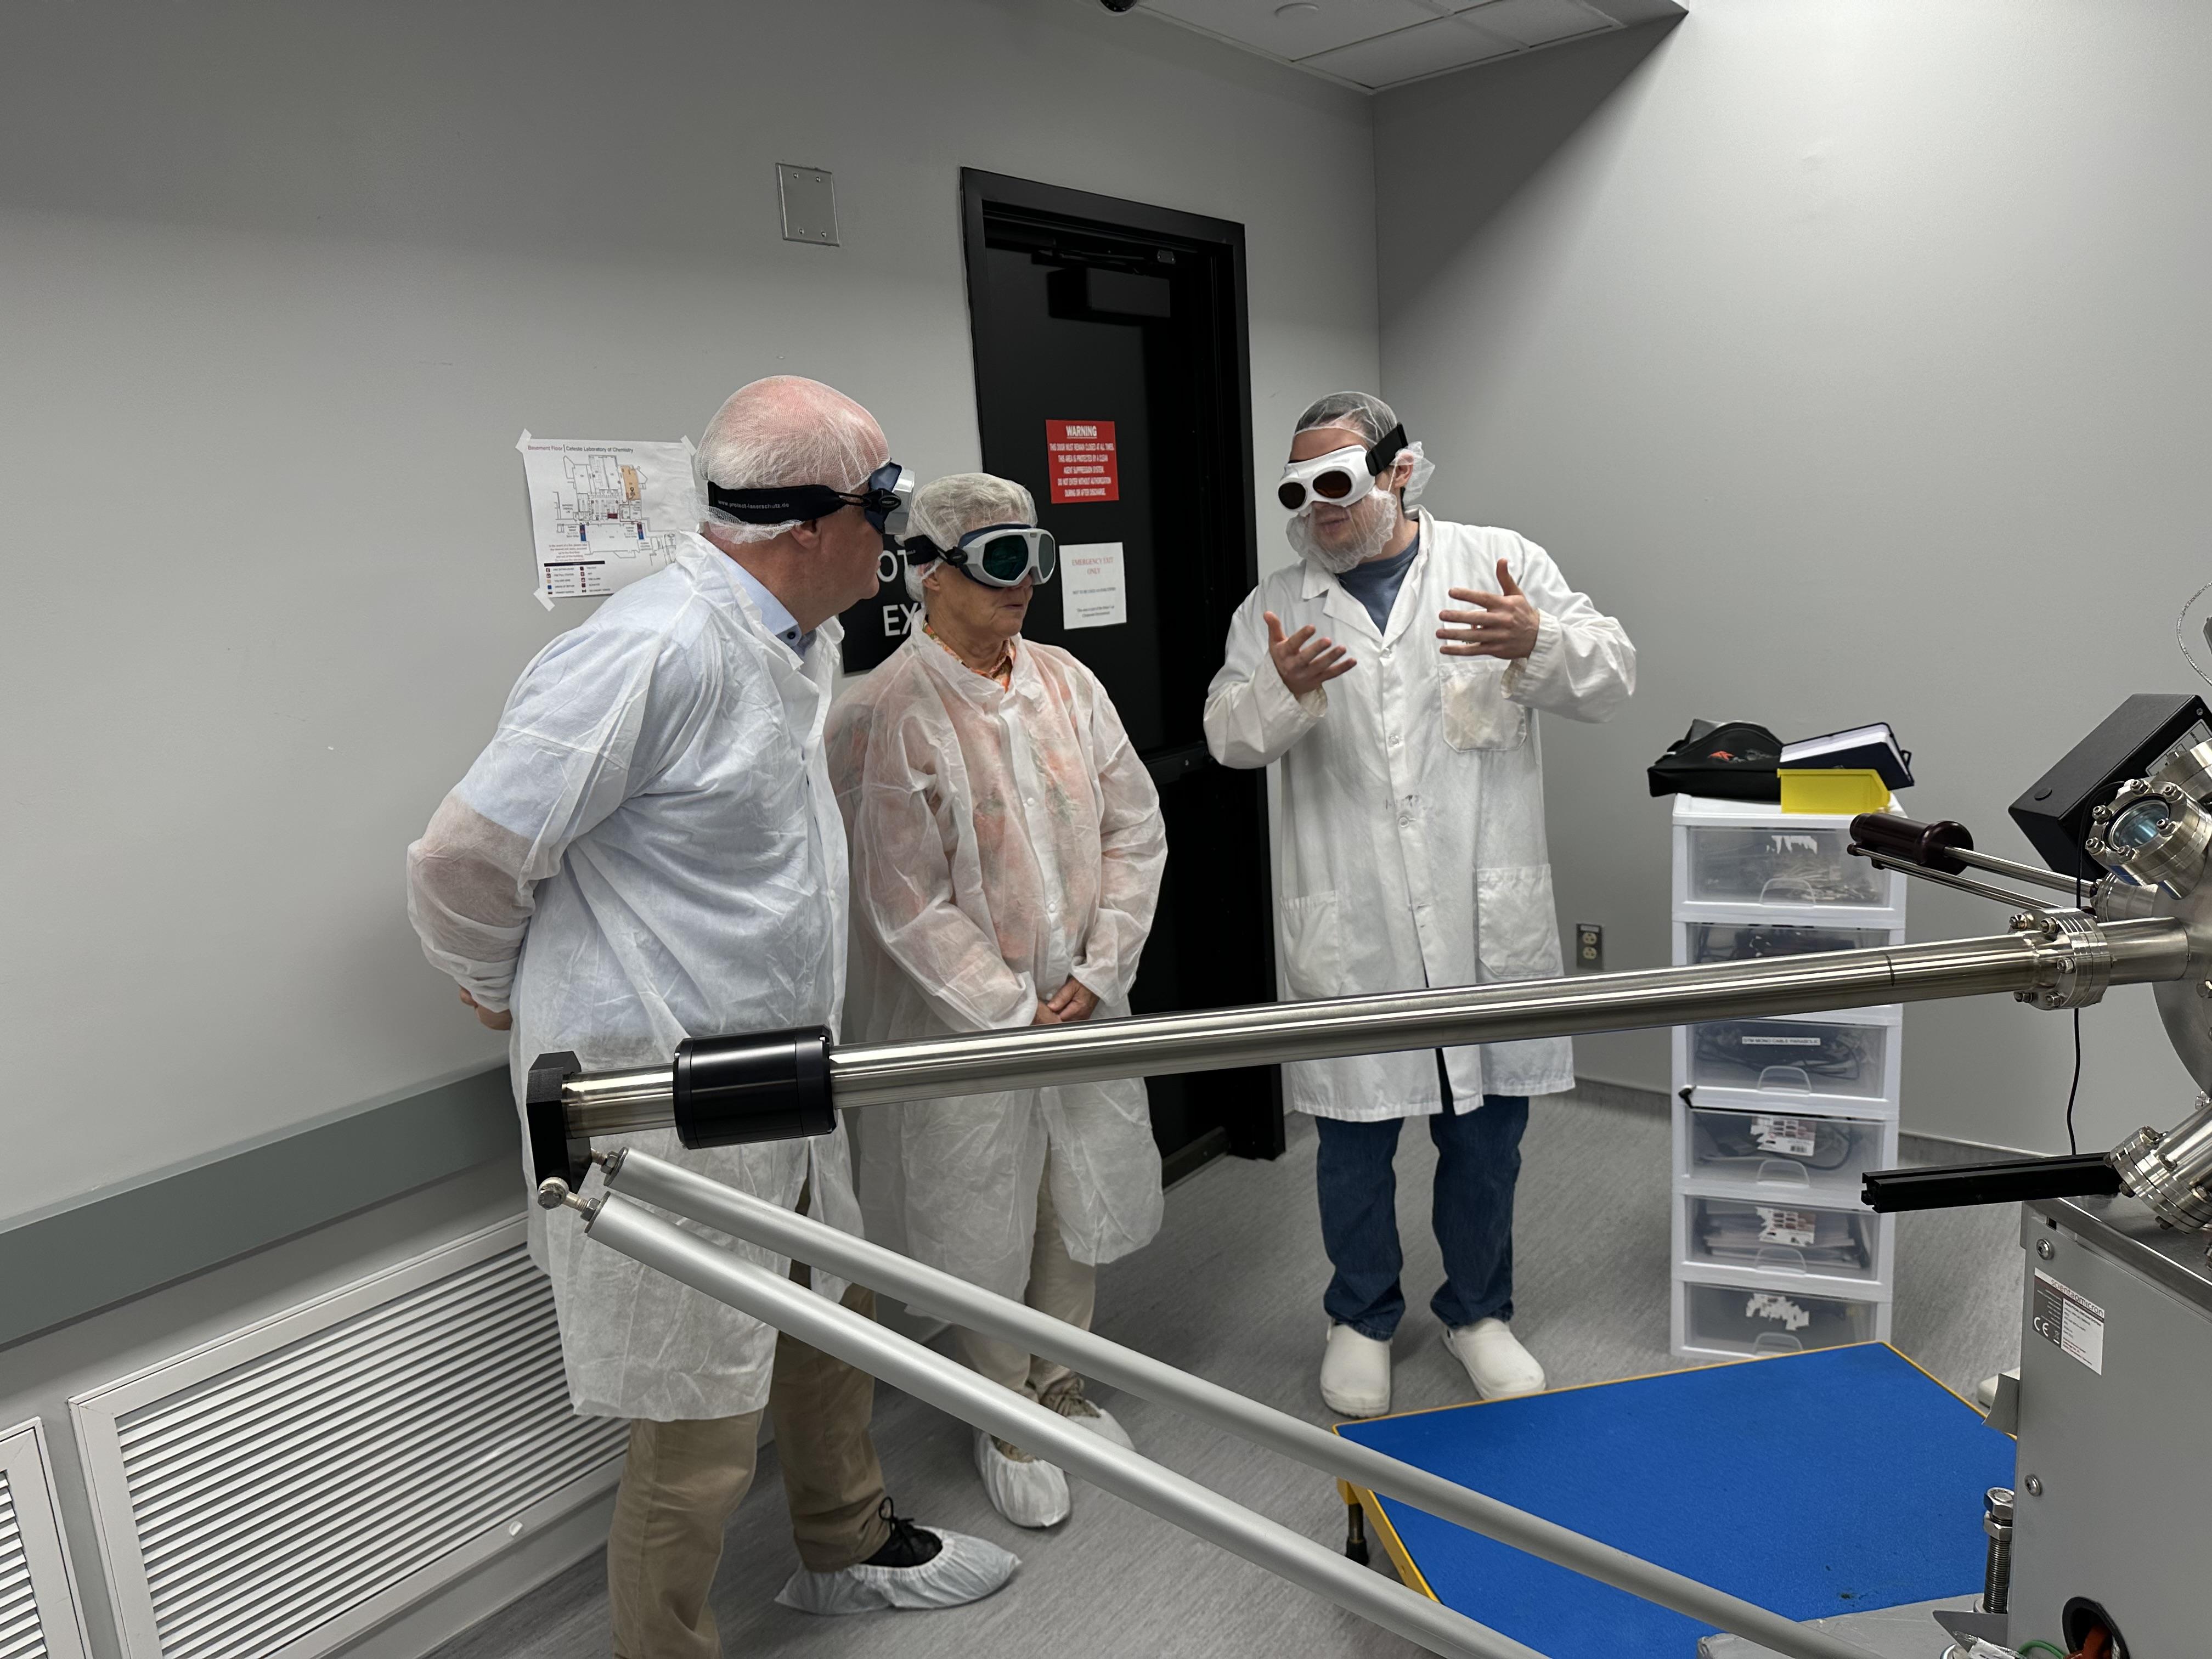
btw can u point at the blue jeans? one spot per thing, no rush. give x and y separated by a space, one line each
1478 1161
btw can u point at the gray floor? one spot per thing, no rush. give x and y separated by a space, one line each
1232 1291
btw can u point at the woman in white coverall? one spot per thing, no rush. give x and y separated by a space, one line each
1007 848
1410 854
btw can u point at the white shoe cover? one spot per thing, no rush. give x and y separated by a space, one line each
1497 1363
1031 1494
1355 1374
966 1570
1087 1413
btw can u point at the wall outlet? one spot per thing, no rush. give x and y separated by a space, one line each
1590 948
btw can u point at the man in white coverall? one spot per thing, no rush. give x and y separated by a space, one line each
1007 849
1395 672
649 850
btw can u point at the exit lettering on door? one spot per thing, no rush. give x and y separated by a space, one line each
1079 461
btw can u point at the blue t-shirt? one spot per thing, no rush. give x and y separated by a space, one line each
1375 584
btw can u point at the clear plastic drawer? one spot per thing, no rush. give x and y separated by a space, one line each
1740 1319
1782 1235
1700 942
1784 1152
1799 867
1825 1065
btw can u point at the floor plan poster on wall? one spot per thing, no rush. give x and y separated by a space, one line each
605 513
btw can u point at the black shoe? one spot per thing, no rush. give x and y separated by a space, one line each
908 1546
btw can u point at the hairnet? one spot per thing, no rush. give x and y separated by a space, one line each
785 429
1373 419
946 509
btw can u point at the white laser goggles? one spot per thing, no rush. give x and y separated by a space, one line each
997 554
1340 478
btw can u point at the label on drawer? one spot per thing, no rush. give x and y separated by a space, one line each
1796 1228
2070 1320
1792 1137
1772 1305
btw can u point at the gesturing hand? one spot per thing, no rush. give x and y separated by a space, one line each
499 1019
1505 626
1304 663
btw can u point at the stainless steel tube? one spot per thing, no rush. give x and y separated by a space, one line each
664 1184
2029 872
2146 949
643 1236
617 1103
1040 1056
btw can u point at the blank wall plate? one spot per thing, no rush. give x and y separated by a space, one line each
809 204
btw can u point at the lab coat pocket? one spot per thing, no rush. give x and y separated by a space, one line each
1313 950
1516 925
1477 714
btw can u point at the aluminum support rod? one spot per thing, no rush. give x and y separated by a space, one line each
1039 1055
669 1187
643 1236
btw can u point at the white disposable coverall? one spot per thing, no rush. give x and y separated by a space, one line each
1411 848
649 850
1003 841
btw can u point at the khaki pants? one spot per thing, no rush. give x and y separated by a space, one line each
1058 1285
684 1480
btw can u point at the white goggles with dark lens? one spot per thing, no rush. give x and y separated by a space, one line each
1339 478
997 554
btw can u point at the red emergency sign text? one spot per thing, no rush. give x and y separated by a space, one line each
1079 461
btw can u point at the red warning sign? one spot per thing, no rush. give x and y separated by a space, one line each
1079 461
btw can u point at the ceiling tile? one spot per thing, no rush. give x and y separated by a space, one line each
1427 48
1300 30
1537 22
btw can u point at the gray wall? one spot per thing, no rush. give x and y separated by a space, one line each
1855 357
283 284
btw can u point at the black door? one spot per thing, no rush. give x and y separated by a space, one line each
1112 378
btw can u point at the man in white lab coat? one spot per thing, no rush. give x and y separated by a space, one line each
649 850
1395 672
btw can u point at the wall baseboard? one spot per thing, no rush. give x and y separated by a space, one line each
107 1247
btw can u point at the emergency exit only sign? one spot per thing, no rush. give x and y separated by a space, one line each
1079 461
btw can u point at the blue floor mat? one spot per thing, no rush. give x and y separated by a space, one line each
1813 1483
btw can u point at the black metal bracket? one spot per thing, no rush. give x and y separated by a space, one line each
1945 1187
552 1152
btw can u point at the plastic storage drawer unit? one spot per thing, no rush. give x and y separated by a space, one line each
1783 1152
1733 862
1781 1236
1753 1319
1824 1065
1696 943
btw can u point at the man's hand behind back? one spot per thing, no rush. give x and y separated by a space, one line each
499 1019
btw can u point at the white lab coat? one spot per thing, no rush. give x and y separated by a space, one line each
1004 841
1411 845
649 850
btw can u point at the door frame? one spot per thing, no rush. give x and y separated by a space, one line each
1058 205
984 193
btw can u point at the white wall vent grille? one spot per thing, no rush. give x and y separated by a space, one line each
282 1490
39 1617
